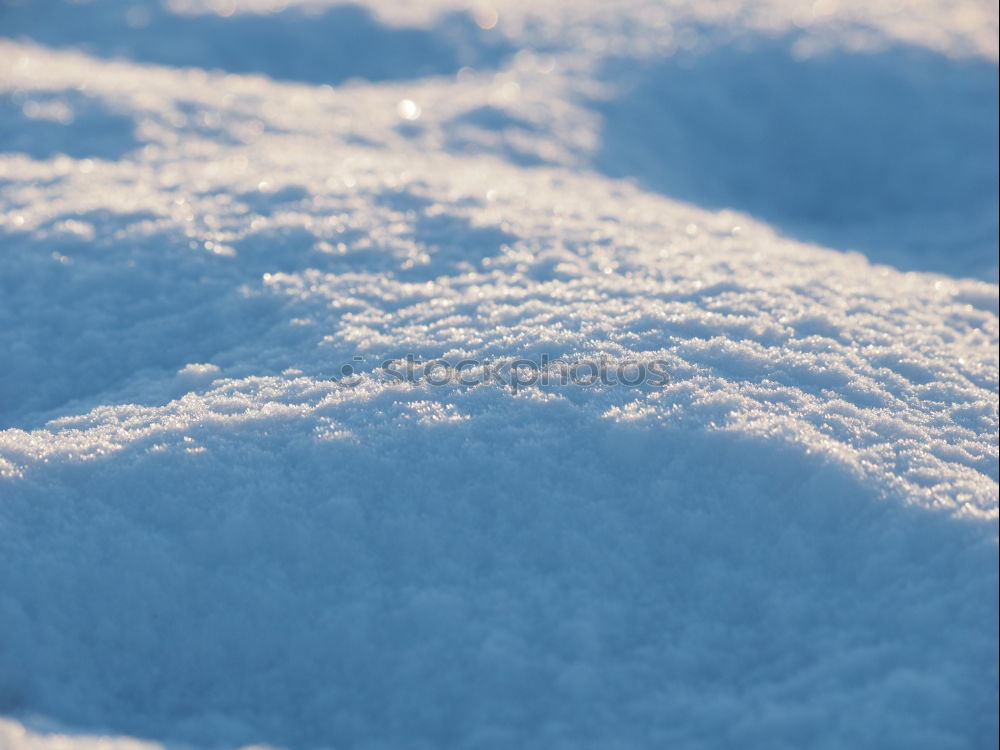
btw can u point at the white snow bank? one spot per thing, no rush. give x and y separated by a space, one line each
210 536
15 735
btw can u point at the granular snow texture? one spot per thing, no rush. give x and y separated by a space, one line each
224 522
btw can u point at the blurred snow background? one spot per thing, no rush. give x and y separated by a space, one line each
206 209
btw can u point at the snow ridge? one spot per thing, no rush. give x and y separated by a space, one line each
210 537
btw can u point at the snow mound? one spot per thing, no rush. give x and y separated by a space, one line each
227 519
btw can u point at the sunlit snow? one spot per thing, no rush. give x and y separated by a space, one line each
225 520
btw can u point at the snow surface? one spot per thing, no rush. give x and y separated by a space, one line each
211 538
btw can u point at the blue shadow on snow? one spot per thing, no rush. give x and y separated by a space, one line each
892 153
329 46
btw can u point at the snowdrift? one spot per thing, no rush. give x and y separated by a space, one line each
223 523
